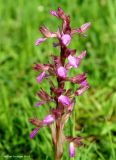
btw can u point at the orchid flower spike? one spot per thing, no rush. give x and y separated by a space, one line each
59 93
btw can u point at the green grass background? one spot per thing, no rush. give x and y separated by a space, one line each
95 112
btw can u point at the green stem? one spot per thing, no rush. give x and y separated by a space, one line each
73 129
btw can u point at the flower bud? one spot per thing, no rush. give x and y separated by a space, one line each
71 149
79 78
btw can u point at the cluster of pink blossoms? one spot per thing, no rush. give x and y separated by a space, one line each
64 99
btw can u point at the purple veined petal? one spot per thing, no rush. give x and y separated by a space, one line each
64 100
39 104
41 76
73 61
48 119
79 78
81 90
60 10
46 32
61 13
71 149
84 27
43 95
62 72
66 38
84 83
34 132
54 13
82 55
41 67
40 40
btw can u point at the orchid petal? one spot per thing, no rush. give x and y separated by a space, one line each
40 40
39 104
46 32
82 55
54 13
81 90
73 61
79 78
61 13
48 119
84 83
40 77
84 27
34 132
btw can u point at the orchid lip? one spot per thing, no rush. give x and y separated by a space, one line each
66 39
64 100
62 72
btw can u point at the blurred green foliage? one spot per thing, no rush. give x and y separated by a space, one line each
95 111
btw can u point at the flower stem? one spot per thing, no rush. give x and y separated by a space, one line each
59 127
59 141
